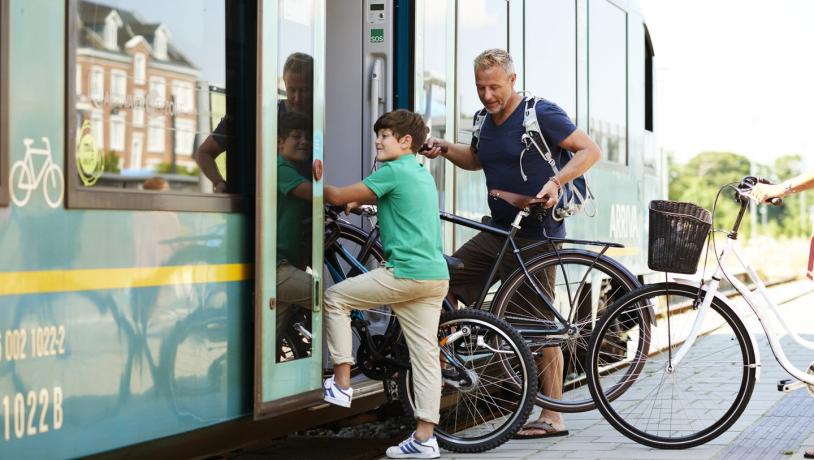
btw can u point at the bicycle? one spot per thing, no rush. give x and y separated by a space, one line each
487 369
24 177
555 299
701 362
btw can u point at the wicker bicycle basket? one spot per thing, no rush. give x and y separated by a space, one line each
677 234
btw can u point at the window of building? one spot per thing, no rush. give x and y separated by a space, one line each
4 77
607 79
97 128
482 24
117 132
184 136
156 98
78 79
118 86
551 68
156 135
139 68
97 84
139 102
150 118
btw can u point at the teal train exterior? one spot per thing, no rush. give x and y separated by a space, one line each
136 277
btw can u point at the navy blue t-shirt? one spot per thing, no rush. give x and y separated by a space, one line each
499 150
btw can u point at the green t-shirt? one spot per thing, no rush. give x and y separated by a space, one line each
409 220
291 213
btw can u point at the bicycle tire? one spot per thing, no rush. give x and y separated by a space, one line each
579 277
499 405
381 319
688 405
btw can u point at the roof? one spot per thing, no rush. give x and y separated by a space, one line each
91 26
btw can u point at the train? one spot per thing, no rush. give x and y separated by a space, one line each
138 279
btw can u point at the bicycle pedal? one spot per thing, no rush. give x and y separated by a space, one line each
391 390
789 385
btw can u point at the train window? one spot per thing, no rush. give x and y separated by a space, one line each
4 81
482 24
648 81
551 70
295 109
607 79
432 55
161 116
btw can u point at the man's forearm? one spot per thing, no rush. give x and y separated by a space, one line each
579 164
462 156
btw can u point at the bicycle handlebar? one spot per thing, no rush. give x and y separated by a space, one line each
744 189
425 147
364 210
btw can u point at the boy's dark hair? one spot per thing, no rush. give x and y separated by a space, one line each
289 121
403 122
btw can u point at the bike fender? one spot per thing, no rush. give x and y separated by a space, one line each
735 308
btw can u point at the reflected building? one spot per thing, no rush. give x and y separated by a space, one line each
135 88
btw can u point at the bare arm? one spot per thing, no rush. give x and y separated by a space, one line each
304 191
461 155
205 157
586 154
765 192
356 193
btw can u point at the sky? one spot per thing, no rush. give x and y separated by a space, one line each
734 76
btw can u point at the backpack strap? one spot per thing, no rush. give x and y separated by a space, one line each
480 118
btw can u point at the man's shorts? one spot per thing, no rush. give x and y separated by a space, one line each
479 254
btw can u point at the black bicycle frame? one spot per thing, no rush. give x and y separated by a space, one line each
509 236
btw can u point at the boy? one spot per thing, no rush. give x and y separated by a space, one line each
293 237
413 281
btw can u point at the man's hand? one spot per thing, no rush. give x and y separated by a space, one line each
351 206
435 147
551 192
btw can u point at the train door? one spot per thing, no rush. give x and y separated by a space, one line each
289 216
350 47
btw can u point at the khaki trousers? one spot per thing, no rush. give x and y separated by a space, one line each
417 305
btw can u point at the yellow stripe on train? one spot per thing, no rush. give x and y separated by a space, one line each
37 282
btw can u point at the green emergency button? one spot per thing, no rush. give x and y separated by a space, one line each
376 35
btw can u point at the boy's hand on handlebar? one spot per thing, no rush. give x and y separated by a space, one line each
551 193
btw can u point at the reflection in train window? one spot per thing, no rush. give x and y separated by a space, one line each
295 107
607 79
4 81
431 87
551 69
154 105
483 24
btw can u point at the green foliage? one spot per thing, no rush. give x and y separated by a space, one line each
166 168
699 180
110 162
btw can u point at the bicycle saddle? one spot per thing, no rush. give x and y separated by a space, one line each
515 199
453 262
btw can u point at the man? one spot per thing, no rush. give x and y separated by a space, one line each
298 78
498 152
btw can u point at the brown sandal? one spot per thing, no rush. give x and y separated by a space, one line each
549 429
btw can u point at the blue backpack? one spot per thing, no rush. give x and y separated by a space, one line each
576 195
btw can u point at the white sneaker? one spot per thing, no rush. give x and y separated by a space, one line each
333 394
413 448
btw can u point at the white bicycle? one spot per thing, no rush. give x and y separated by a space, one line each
700 361
25 178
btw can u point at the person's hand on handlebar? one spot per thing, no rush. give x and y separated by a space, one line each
765 192
434 147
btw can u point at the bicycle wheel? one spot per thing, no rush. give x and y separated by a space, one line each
582 285
341 256
483 408
675 405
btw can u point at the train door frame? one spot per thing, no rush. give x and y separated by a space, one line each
284 387
5 144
